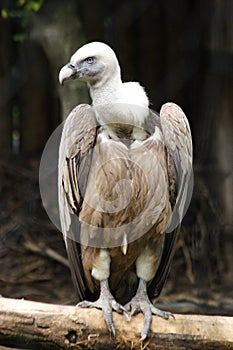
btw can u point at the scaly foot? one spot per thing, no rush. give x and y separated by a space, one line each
141 302
106 303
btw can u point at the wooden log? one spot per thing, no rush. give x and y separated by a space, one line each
33 325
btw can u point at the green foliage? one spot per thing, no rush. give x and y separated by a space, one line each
30 5
22 10
4 13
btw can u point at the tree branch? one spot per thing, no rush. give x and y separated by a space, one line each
33 325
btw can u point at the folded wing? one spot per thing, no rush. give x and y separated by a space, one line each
75 153
178 141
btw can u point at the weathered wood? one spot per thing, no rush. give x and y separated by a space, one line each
33 325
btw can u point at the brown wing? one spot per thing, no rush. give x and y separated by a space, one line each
75 152
178 141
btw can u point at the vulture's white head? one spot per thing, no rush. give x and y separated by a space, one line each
94 63
97 65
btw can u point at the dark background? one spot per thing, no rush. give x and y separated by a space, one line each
181 51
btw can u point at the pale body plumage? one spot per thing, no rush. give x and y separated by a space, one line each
121 171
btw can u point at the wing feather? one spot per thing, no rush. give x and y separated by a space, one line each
78 138
178 141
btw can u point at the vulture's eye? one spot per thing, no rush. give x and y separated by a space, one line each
90 60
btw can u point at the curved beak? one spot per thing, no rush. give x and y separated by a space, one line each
69 71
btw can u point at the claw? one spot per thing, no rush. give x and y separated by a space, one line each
106 303
141 302
132 307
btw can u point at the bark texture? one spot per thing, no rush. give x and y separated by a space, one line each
33 325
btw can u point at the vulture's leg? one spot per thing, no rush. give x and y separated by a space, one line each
106 301
146 266
141 302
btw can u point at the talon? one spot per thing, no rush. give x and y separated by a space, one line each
127 306
109 322
143 336
171 315
141 302
86 303
161 313
127 316
134 310
106 303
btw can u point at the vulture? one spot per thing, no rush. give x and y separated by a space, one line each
124 185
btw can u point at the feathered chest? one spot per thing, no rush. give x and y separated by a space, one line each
123 121
126 192
124 133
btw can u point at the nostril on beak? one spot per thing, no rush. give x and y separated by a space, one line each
72 66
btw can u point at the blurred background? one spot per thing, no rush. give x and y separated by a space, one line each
180 51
